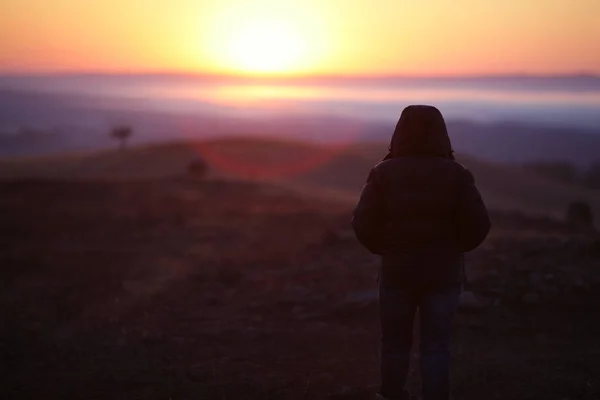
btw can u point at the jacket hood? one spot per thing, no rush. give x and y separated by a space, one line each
421 131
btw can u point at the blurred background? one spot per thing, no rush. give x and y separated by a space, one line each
177 180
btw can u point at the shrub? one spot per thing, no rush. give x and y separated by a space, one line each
592 176
580 215
198 168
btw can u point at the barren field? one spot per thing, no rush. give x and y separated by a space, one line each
175 288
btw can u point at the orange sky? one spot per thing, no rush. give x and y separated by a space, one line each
426 37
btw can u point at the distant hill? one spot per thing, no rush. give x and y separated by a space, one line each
512 142
308 168
82 122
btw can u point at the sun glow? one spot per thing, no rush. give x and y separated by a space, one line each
265 47
301 37
253 41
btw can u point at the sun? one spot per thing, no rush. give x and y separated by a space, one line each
265 47
248 39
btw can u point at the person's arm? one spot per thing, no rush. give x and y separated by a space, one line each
472 217
367 218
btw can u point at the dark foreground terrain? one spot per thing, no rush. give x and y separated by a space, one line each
180 289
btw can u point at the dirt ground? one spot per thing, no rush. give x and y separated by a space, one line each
180 289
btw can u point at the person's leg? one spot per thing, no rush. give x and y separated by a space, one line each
437 309
397 311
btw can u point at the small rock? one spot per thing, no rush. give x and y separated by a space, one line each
179 340
492 291
493 274
499 259
348 393
325 376
346 234
303 316
470 301
364 297
331 236
579 285
252 332
541 338
536 279
297 310
530 298
475 325
296 293
212 300
550 291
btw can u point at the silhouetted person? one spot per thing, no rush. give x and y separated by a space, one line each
419 210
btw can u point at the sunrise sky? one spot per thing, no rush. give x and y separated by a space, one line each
366 37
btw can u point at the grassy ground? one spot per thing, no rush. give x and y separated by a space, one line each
179 289
334 171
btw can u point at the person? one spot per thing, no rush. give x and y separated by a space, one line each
420 211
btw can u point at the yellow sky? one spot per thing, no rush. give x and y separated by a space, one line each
425 37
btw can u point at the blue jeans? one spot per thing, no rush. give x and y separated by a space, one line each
397 308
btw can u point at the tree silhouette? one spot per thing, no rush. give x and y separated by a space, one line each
122 134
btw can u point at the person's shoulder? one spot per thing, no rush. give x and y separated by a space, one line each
455 170
418 162
457 166
388 167
448 163
382 165
392 163
462 172
377 171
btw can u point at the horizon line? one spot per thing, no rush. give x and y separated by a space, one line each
291 77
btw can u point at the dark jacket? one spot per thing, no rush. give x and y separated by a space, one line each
420 210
